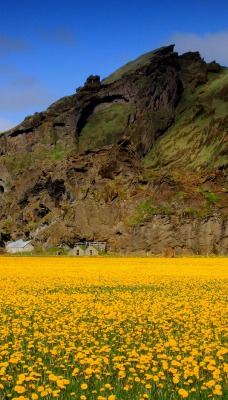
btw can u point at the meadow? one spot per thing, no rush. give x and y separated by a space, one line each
113 328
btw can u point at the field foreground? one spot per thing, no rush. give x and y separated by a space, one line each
113 329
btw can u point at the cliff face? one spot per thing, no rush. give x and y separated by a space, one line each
140 102
138 160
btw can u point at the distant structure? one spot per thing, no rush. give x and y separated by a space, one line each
87 248
19 246
91 251
77 251
99 245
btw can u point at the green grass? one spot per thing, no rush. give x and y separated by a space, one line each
22 161
209 196
59 153
198 137
145 211
15 163
105 126
50 251
129 67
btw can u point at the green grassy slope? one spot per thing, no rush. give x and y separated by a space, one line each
105 126
130 67
198 139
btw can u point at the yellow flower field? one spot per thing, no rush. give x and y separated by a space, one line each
113 328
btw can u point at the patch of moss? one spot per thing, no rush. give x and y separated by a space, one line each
22 161
105 126
59 153
145 211
209 196
15 163
50 251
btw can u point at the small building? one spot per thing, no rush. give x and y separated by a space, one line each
19 246
91 251
77 251
98 245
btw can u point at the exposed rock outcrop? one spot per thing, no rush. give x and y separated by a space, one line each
137 160
153 89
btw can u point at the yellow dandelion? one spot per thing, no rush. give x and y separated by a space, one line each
44 393
20 389
108 386
52 377
183 393
84 386
217 392
56 393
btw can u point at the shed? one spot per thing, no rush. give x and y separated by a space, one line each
91 251
77 251
19 246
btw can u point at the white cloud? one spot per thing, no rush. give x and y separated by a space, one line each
20 93
8 44
212 46
5 124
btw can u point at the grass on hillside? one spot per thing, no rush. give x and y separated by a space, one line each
145 211
105 126
193 141
129 67
21 161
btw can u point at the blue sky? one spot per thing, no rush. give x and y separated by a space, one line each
49 47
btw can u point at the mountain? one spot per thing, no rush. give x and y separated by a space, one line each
138 159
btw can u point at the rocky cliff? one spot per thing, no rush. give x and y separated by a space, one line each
138 160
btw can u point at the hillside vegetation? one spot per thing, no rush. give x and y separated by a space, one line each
138 160
105 127
198 138
141 61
